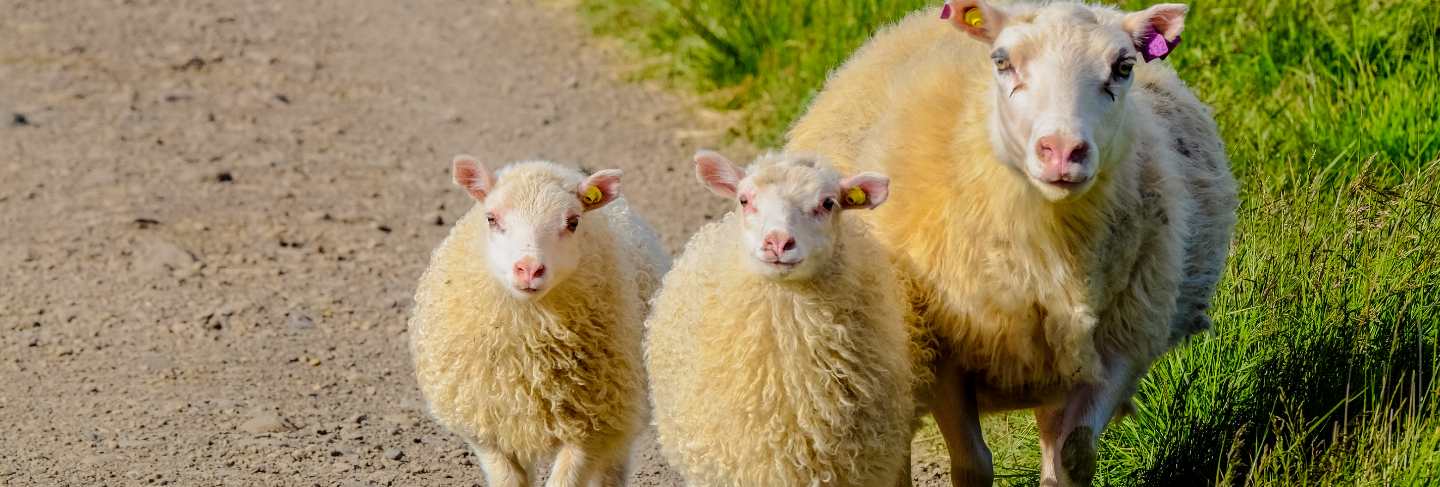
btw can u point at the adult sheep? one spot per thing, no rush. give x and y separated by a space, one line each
527 326
1063 206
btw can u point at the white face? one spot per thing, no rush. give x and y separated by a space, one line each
1062 73
535 218
789 209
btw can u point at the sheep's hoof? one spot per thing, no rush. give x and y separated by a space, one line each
964 477
1078 456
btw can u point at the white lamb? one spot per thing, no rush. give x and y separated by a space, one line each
526 329
777 349
1064 207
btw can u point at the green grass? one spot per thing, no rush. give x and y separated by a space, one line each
1321 368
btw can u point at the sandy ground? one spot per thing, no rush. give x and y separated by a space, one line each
214 214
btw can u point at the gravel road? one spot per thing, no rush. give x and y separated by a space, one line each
215 213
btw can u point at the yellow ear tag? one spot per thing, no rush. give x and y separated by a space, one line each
593 195
855 196
972 17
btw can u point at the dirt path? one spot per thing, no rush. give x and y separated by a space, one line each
215 213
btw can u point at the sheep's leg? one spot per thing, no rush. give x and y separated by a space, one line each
501 470
1069 432
902 479
1049 420
611 474
957 413
573 467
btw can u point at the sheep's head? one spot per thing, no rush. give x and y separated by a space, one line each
789 208
1062 72
535 212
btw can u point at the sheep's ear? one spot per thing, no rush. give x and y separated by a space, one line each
600 189
472 175
978 18
866 190
1156 30
718 173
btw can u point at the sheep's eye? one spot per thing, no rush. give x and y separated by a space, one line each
1002 61
829 204
494 224
572 223
1123 69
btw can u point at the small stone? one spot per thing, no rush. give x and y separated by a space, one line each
300 321
266 422
194 63
224 177
159 256
20 120
395 454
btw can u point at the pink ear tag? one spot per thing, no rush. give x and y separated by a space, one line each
1157 46
945 11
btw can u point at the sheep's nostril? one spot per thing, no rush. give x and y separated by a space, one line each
528 269
789 244
1044 150
1056 149
1079 152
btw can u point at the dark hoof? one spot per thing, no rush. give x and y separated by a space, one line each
966 476
1078 456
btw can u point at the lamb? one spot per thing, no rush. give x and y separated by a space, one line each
777 347
1064 209
526 328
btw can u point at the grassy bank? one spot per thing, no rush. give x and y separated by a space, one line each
1320 369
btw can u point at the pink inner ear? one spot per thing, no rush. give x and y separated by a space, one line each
876 187
470 175
718 174
607 181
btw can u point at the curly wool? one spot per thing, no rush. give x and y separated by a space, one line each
1035 296
526 377
758 382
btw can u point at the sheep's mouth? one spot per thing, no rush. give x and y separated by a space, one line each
1061 189
1068 185
780 269
527 292
778 263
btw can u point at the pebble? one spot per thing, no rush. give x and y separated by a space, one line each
161 256
300 321
20 120
265 422
395 454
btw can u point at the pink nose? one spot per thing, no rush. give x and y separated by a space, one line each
776 243
527 270
1063 157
